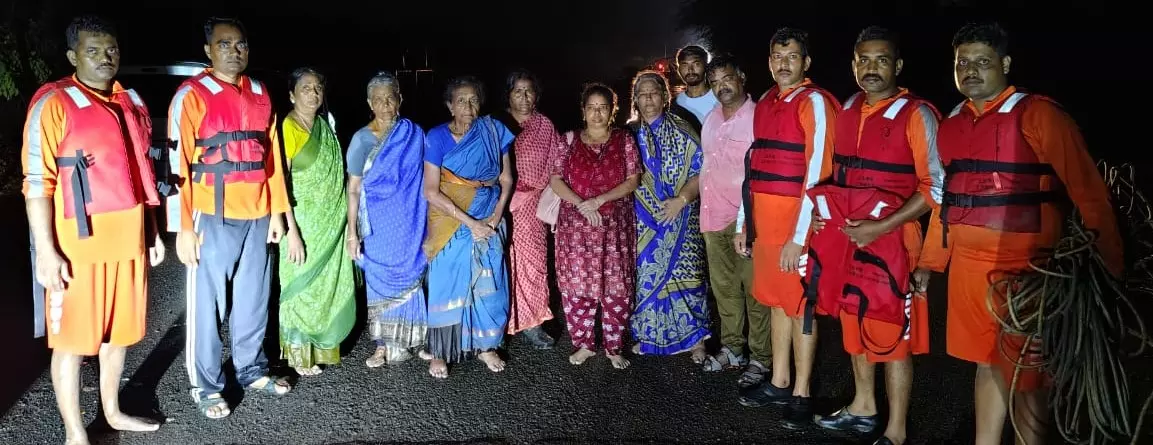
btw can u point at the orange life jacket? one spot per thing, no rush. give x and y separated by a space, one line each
102 160
232 143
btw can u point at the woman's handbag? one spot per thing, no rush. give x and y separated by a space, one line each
549 207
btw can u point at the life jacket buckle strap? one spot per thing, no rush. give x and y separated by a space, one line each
81 189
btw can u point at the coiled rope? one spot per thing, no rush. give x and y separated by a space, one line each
1084 320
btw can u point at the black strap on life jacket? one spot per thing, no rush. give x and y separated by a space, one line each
863 300
747 200
218 170
81 189
166 179
844 163
968 201
811 292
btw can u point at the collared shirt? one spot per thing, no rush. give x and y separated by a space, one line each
725 143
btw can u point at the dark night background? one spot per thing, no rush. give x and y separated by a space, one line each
1079 52
1087 55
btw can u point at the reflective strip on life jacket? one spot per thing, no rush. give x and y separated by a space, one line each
993 157
96 153
235 141
870 282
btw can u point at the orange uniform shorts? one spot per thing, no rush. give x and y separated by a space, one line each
883 342
104 303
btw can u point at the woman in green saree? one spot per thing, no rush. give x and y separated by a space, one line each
317 294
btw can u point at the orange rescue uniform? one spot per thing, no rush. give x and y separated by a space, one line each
780 219
921 133
106 300
978 256
245 200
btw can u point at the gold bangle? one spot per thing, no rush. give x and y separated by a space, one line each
686 200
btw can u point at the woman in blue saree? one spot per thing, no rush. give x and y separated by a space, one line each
467 181
671 314
386 201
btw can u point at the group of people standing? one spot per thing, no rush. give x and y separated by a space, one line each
708 190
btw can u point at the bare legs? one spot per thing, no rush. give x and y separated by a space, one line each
65 370
898 383
991 400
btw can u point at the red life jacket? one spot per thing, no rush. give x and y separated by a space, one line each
775 163
992 176
877 154
102 160
233 139
872 282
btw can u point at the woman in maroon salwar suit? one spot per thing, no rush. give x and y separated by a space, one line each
595 175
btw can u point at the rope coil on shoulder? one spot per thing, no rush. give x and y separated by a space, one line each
1084 319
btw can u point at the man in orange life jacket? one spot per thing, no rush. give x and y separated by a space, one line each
230 205
1013 161
89 188
886 140
792 128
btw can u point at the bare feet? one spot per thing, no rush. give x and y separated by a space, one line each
314 370
80 438
699 353
425 355
619 361
378 358
637 349
492 360
579 357
124 422
438 368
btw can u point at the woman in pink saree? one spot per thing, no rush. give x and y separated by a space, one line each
536 141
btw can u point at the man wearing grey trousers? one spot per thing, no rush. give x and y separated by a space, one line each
229 208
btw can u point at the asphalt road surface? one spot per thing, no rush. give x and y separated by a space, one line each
539 399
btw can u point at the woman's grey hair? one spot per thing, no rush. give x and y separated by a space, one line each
381 79
655 77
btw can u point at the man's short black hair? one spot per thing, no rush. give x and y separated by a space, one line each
723 60
87 23
212 22
784 35
881 33
989 33
692 51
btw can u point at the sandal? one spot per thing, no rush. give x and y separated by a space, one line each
207 403
723 360
271 386
753 375
378 358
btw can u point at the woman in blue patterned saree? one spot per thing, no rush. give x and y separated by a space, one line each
468 182
671 314
386 200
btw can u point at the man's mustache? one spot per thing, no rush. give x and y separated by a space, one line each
872 77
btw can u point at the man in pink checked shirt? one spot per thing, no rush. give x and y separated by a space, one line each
726 136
